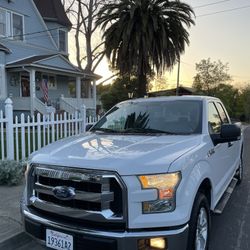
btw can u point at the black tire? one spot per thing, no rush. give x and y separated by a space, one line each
200 208
239 172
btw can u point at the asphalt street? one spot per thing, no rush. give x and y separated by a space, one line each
231 230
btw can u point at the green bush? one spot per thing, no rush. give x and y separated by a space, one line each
11 172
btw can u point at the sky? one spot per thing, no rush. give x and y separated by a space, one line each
222 32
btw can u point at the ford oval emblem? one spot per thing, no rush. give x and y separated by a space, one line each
64 193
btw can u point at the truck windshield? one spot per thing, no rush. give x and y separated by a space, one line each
154 117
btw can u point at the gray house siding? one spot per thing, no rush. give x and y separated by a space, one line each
54 94
23 50
53 28
36 40
54 62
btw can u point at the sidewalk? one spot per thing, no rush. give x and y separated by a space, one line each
11 231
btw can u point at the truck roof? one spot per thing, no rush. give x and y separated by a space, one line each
172 98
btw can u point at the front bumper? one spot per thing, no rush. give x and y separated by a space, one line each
86 239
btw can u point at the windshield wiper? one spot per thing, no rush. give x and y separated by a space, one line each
147 131
105 130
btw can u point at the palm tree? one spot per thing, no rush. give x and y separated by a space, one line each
145 36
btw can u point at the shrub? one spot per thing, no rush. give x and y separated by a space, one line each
11 172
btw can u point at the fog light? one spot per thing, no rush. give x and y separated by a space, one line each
152 244
158 243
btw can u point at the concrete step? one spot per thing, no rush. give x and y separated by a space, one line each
225 197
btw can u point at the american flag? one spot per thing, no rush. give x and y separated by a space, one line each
44 87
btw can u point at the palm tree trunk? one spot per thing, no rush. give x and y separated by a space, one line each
142 85
141 75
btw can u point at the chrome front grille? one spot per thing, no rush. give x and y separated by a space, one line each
96 195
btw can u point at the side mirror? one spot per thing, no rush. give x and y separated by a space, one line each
88 126
229 133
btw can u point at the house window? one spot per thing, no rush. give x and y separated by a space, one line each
11 25
52 84
17 26
62 40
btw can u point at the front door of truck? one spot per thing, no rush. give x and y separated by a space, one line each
220 155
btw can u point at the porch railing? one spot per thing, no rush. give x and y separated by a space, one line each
75 104
42 107
68 105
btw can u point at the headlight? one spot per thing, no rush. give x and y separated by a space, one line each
166 185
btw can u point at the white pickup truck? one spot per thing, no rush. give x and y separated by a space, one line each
145 177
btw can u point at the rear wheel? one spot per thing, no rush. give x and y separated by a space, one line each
199 225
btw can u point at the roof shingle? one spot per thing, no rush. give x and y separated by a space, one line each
53 10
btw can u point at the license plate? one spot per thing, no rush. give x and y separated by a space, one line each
58 240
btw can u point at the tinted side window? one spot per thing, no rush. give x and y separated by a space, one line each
214 121
222 113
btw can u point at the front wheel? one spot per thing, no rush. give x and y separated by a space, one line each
199 224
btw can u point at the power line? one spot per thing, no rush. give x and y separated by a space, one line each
209 4
31 33
223 11
208 14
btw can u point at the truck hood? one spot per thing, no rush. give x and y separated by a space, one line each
125 154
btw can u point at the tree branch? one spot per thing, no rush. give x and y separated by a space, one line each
97 63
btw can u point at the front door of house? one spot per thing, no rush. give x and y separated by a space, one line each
25 86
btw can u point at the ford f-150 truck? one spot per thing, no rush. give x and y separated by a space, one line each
146 176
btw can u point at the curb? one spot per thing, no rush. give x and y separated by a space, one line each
15 241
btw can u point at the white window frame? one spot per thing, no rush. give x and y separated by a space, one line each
12 27
50 86
9 25
66 40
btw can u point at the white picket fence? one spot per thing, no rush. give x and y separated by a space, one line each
20 136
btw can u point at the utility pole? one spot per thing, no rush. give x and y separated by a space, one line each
178 77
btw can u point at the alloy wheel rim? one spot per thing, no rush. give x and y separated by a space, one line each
201 230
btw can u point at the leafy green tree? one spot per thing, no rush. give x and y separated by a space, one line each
229 95
117 91
245 101
145 36
210 75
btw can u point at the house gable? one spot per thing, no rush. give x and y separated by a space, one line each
56 63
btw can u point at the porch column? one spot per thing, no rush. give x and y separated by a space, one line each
94 94
3 82
32 90
78 87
